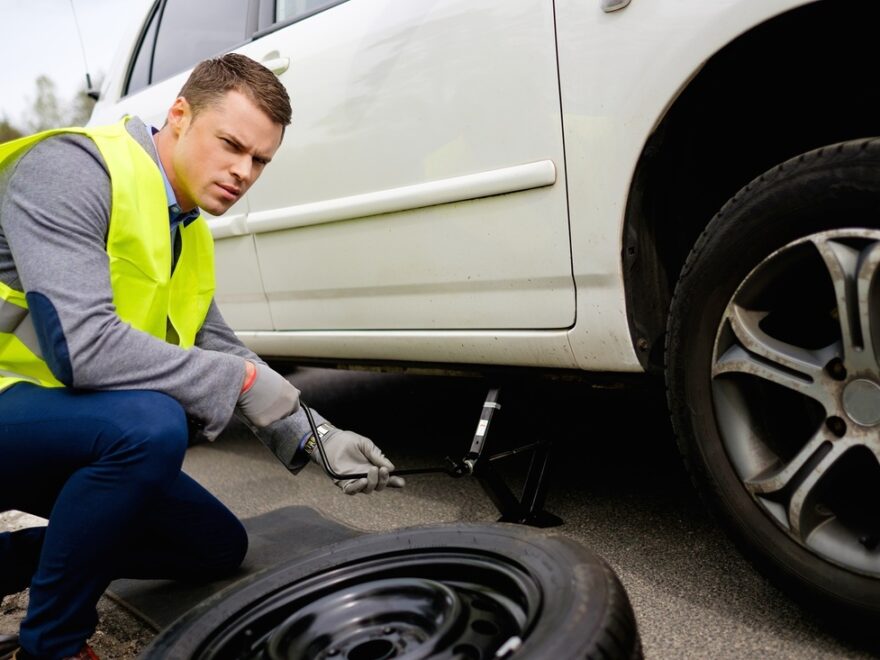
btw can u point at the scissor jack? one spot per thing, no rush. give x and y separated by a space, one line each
528 509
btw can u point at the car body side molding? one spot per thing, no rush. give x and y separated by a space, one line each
443 191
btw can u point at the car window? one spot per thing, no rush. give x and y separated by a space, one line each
288 9
140 70
192 30
188 32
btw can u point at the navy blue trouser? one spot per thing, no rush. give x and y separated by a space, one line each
104 468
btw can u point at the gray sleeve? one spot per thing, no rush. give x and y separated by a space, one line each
282 437
216 335
55 216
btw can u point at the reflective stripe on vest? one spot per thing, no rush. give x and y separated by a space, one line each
145 292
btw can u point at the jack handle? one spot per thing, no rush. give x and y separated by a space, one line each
453 468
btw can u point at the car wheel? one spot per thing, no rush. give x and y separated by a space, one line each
773 378
453 591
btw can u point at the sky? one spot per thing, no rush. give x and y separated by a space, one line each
39 37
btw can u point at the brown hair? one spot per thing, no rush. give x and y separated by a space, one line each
210 81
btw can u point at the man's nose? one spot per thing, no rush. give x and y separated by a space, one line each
242 168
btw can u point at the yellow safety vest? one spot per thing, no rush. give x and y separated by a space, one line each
145 292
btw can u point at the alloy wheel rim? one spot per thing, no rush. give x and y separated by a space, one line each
422 604
796 392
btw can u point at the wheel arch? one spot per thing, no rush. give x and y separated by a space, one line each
793 83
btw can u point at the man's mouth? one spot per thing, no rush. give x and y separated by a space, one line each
231 191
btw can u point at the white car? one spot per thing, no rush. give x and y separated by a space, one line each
590 185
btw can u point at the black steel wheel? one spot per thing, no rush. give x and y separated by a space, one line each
453 591
773 372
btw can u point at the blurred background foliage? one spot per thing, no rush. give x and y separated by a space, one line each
46 110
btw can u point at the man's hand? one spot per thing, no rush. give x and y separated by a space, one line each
350 453
266 395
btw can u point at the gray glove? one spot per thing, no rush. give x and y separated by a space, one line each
350 453
269 398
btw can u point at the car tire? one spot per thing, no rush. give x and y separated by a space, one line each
772 374
448 591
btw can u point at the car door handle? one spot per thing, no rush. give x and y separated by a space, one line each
613 5
276 65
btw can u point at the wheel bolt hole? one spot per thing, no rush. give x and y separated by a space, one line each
824 511
467 652
836 425
870 541
484 627
375 649
836 369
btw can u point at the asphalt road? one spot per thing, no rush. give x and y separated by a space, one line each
617 482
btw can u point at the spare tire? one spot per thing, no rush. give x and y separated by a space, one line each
449 591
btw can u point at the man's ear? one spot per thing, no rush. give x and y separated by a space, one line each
179 116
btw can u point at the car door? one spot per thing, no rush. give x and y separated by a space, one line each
176 35
421 184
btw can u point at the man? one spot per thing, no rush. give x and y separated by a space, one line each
113 353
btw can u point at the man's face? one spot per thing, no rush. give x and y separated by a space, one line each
218 154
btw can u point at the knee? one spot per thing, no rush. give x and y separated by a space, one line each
153 435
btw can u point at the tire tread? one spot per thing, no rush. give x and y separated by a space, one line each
852 163
587 613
